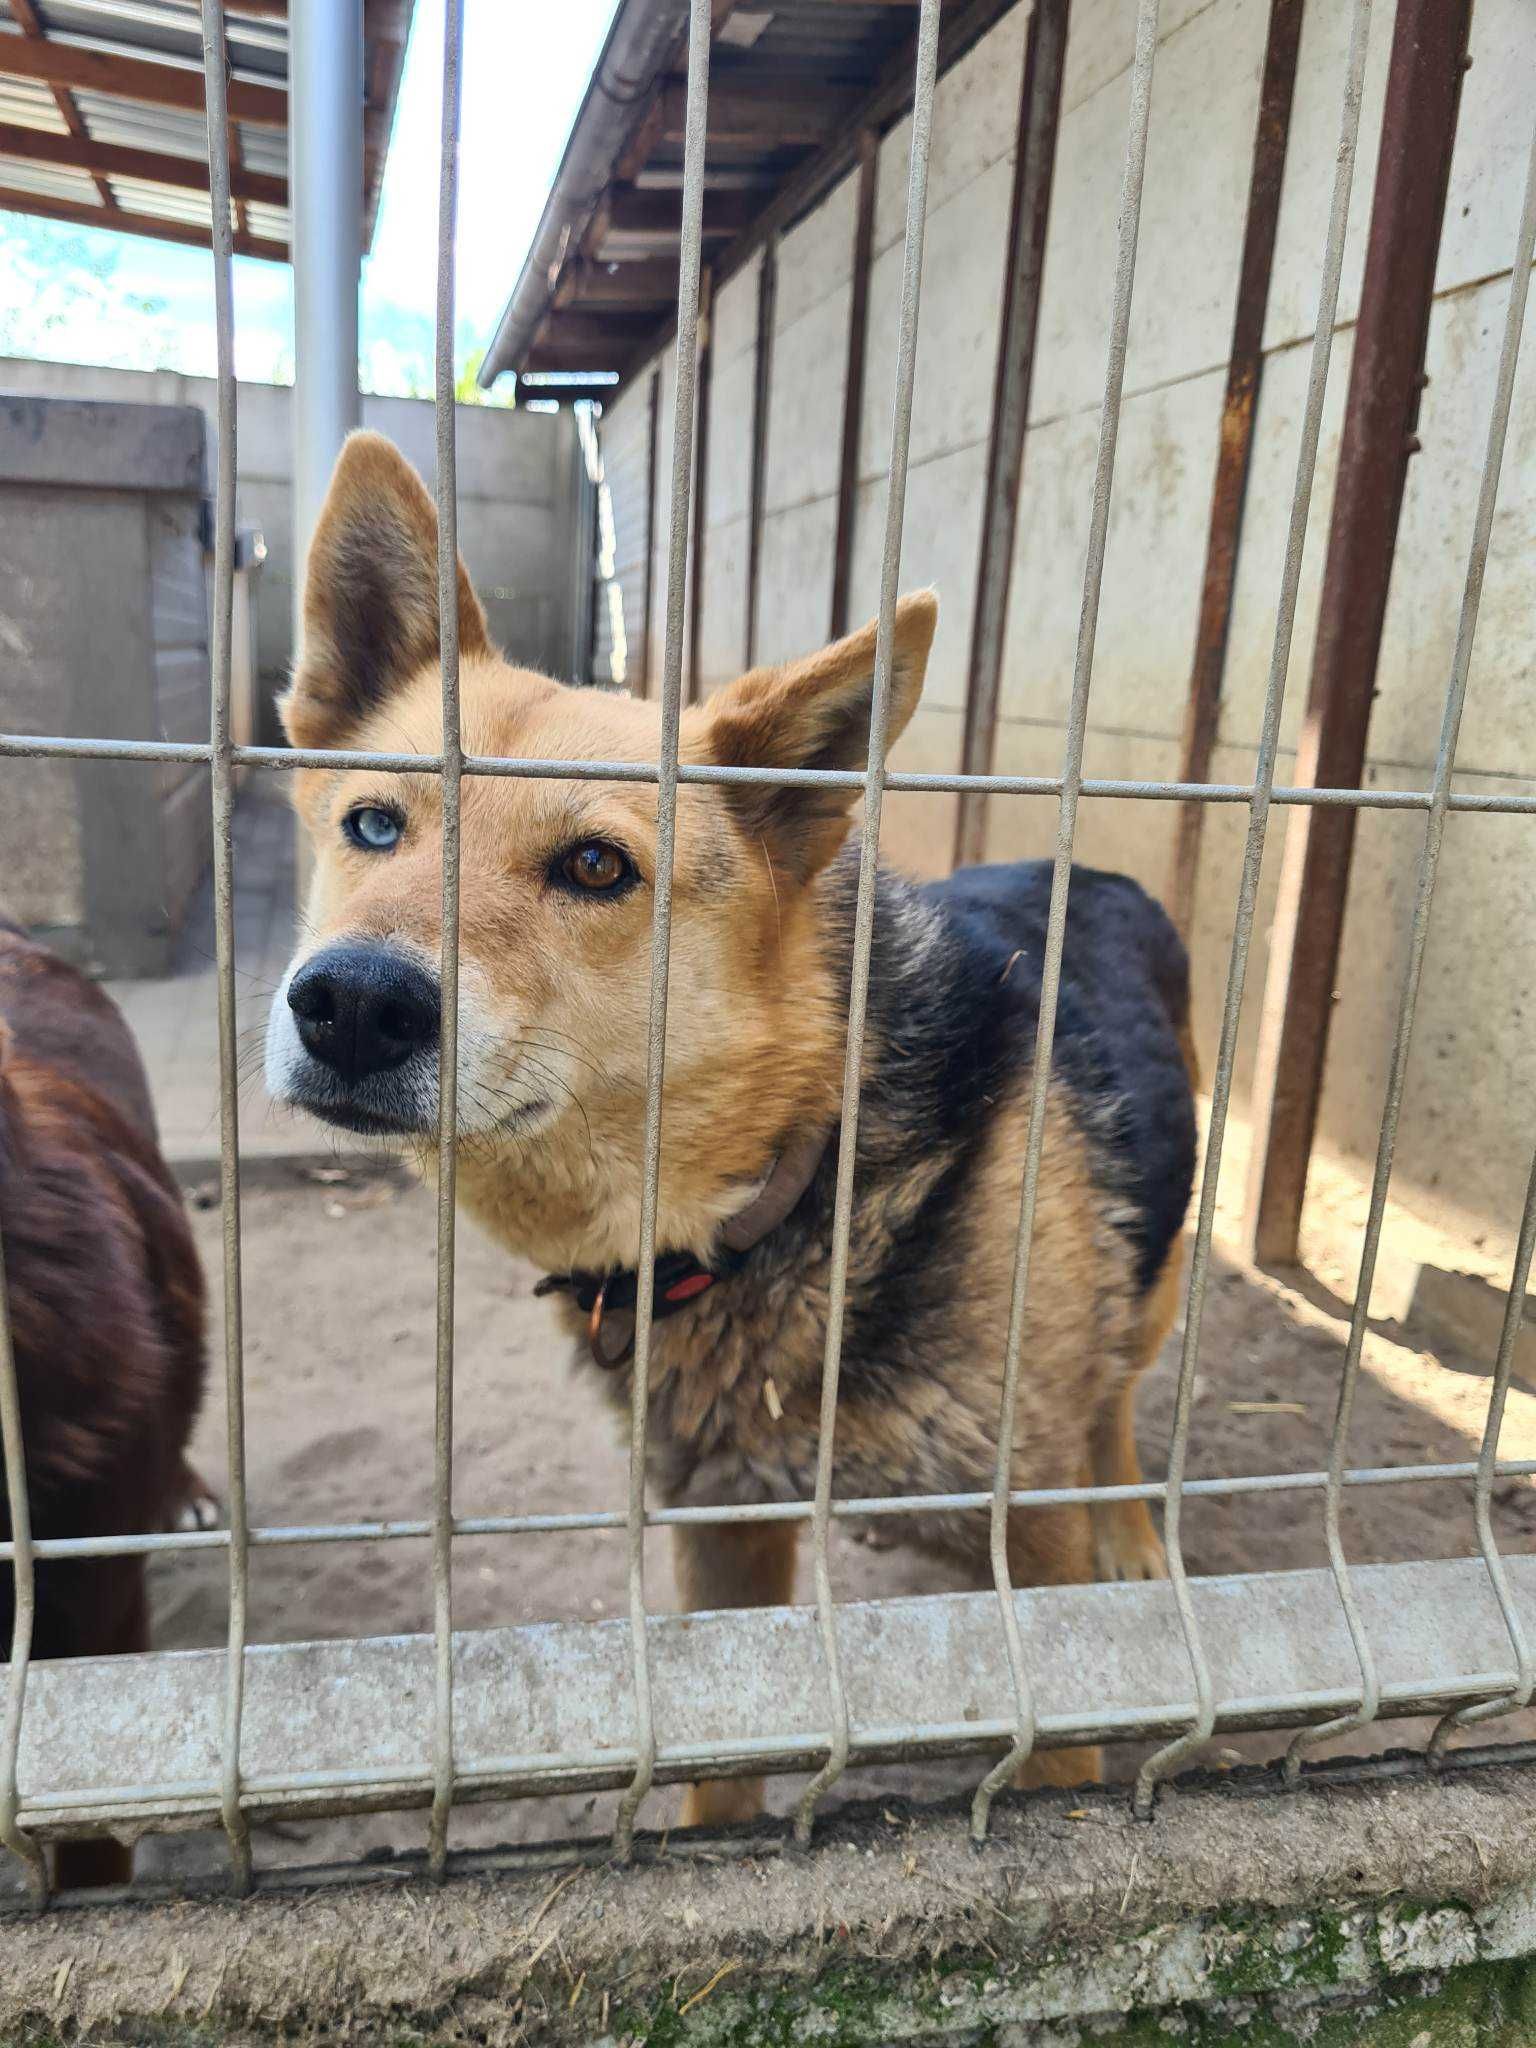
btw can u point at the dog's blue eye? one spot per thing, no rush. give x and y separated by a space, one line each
375 830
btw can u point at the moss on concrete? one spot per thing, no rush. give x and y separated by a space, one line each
1483 2005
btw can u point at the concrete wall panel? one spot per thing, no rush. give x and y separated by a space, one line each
805 414
722 647
728 489
940 538
957 327
815 256
797 580
733 323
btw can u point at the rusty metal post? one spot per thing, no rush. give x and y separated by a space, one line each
762 385
1429 55
1245 369
853 383
1034 165
648 586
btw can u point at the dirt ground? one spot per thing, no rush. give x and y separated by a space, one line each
339 1293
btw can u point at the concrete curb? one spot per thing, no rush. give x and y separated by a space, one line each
1236 1905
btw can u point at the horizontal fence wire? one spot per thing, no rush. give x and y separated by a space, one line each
846 1509
342 760
447 1775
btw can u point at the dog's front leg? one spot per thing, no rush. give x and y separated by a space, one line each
749 1564
1053 1547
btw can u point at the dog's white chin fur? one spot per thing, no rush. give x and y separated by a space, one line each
290 1073
284 1054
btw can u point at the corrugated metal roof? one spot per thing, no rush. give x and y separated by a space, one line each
101 119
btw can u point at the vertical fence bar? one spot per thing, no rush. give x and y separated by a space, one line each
1034 170
1429 863
1487 1460
448 1042
701 488
1172 1754
688 284
24 1580
762 393
1056 925
1239 406
853 380
864 913
215 73
1386 383
648 585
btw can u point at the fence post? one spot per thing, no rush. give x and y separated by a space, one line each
1418 130
1245 371
1034 167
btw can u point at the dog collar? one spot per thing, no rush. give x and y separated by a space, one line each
678 1278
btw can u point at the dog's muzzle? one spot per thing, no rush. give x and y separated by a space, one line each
353 1038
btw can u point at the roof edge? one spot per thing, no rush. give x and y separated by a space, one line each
640 41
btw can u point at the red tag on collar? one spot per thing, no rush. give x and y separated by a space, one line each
686 1288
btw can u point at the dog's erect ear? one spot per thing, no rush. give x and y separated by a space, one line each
815 714
370 595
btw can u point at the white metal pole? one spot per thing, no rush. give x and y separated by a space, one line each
325 184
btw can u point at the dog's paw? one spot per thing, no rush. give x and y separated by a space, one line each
1126 1544
200 1508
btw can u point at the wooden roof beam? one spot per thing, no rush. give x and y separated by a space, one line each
124 223
30 24
602 337
633 222
37 145
136 78
550 357
762 116
652 283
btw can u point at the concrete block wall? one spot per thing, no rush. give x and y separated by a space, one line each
1465 1146
103 634
518 499
623 538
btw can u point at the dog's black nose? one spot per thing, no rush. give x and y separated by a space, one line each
364 1009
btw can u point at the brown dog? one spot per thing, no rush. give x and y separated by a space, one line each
106 1311
554 979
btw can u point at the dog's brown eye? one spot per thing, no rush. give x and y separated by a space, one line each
595 866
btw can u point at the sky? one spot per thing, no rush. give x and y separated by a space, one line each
85 295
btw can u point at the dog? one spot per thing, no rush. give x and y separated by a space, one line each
554 976
105 1294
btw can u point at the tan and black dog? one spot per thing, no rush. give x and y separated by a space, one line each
555 950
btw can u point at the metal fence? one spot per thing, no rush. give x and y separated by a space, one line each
446 1769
